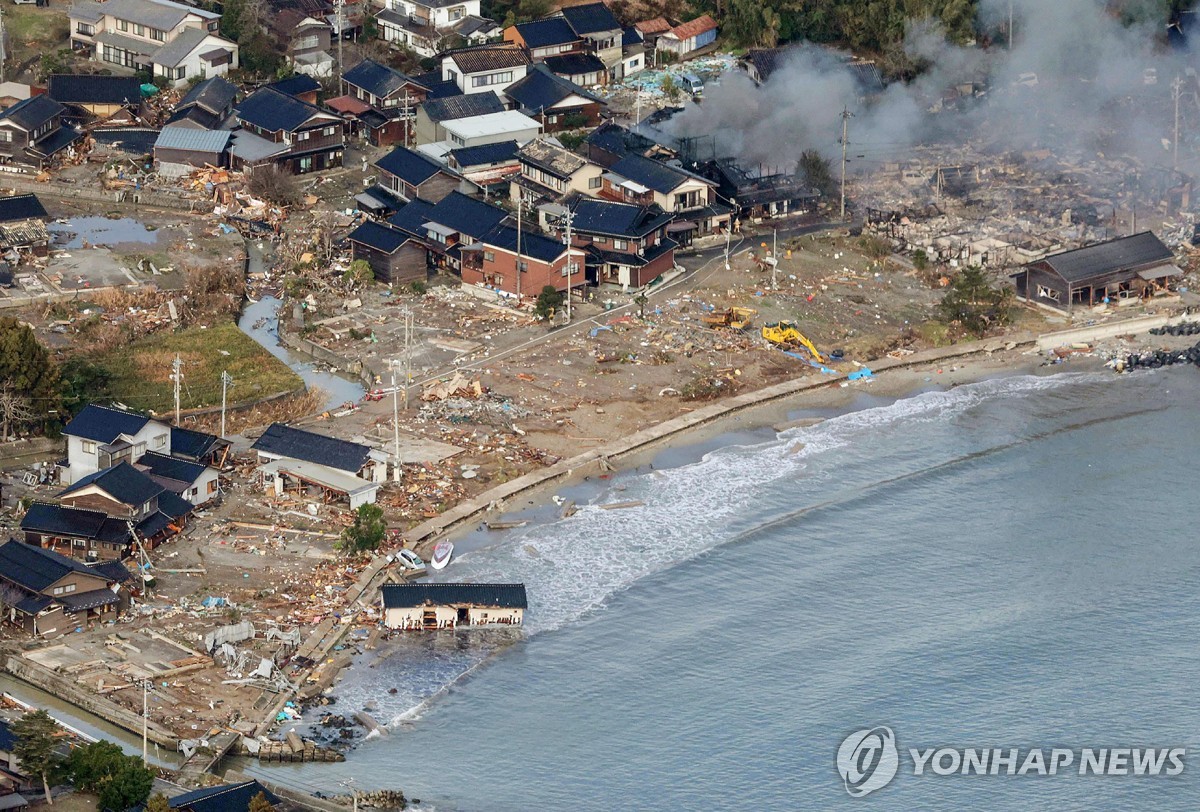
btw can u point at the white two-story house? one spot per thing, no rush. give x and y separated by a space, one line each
168 39
485 68
424 26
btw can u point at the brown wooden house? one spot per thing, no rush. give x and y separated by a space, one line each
394 257
410 175
48 594
1133 266
300 137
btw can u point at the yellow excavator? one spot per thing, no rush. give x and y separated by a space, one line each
735 318
787 335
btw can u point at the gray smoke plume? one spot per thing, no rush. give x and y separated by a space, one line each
1076 79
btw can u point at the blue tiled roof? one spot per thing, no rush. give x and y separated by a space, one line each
123 482
224 798
35 568
272 110
575 64
652 174
32 112
592 216
378 236
190 443
297 444
60 520
541 89
21 207
409 165
533 245
486 154
462 106
466 215
173 506
591 18
377 79
295 85
103 425
412 217
509 596
180 470
544 33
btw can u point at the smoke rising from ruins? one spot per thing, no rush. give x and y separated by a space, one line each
1075 80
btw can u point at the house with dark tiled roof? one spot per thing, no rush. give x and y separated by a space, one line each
294 135
292 457
306 39
223 798
100 437
456 221
512 262
91 535
23 225
611 142
486 166
395 257
382 100
193 481
485 68
432 115
691 198
556 102
207 106
601 31
129 494
542 38
627 245
93 99
447 606
581 69
411 174
1126 267
33 132
301 86
48 594
198 446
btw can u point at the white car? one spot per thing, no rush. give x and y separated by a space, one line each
409 560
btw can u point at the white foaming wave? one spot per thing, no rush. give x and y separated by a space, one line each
573 567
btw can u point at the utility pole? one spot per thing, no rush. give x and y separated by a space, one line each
409 335
145 723
177 377
774 255
226 382
570 261
846 114
396 422
341 20
1176 92
409 118
3 49
1010 25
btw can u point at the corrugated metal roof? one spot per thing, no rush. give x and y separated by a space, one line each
187 138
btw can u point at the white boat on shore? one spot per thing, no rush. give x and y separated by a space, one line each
442 552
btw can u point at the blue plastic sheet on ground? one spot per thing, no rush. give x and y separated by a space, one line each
810 362
596 330
859 375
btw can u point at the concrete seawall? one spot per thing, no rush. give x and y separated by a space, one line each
68 691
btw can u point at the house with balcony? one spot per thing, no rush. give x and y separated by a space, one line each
127 494
627 245
54 594
485 68
489 167
599 28
382 100
690 198
411 175
33 132
171 40
455 222
292 134
550 171
100 437
426 26
307 39
558 103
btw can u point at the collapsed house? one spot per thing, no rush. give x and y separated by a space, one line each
1127 268
339 468
448 606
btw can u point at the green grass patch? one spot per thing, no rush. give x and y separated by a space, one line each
29 26
141 372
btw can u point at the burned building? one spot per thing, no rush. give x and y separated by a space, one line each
1127 268
759 194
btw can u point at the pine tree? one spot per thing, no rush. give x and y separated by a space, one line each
259 803
36 739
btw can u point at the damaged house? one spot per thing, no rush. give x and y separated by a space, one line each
448 606
50 594
337 467
1126 268
33 132
23 225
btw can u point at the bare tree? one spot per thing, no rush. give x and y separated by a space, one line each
273 185
10 596
15 410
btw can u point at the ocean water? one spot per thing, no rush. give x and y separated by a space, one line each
1011 563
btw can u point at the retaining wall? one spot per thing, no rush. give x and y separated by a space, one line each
1098 332
68 691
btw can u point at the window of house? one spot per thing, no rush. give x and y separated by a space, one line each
552 119
562 49
122 25
160 441
1048 293
6 136
306 164
79 543
456 14
139 29
179 72
85 28
600 240
458 140
139 449
329 131
311 41
89 447
303 136
523 266
69 588
492 79
633 63
194 492
620 245
489 256
595 183
212 486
